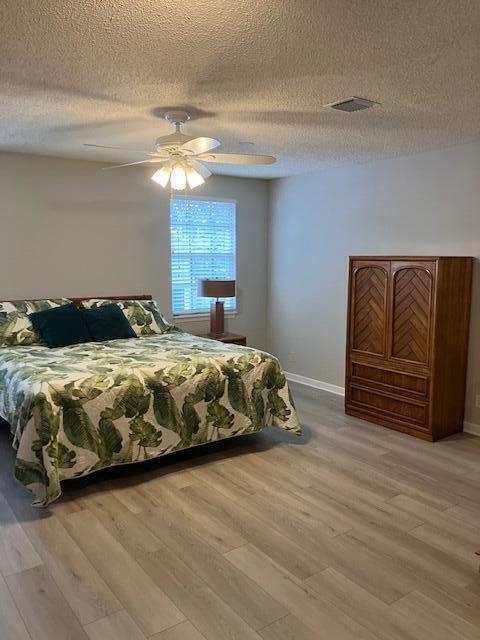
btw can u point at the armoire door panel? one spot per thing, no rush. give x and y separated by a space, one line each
368 314
411 311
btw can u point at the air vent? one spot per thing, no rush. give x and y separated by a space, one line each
351 104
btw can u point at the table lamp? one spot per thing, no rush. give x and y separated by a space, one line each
217 289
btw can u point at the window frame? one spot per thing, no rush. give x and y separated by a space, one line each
202 314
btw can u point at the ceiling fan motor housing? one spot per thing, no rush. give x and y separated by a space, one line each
175 140
172 141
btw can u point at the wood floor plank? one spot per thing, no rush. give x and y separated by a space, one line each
461 546
263 473
148 605
419 556
474 586
201 605
16 551
296 596
281 548
288 628
458 484
373 571
381 619
213 530
81 585
358 508
224 479
12 626
180 478
445 531
182 631
134 499
464 515
377 475
358 450
117 626
435 494
42 606
460 601
436 459
434 619
292 516
359 474
121 523
252 603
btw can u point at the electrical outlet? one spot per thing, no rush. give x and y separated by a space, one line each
292 356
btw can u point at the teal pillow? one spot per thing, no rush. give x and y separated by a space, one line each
61 326
107 323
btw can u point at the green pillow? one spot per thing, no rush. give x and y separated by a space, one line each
107 323
61 327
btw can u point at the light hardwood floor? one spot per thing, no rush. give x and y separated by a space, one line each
352 532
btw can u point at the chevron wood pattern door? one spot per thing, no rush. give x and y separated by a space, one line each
411 312
369 309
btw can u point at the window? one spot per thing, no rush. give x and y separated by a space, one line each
203 246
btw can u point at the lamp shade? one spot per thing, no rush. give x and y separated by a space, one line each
217 288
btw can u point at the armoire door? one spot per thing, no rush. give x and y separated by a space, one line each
368 312
411 308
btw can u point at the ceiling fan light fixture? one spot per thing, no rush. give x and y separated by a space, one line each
162 176
194 179
178 178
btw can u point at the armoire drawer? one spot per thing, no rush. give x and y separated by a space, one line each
390 381
404 410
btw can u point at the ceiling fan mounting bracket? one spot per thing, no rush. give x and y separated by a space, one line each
177 118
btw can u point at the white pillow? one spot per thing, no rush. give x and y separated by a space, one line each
15 327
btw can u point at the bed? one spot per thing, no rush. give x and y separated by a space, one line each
77 409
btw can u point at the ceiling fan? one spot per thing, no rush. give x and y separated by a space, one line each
181 157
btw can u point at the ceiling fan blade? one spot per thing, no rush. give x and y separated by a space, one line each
200 168
199 145
130 164
101 146
236 158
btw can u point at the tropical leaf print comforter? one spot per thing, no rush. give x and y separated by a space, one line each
82 408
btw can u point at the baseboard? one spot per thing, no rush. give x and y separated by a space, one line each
315 384
471 427
468 427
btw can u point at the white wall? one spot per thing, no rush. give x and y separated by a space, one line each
423 204
69 229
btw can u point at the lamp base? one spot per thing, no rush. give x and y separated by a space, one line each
217 318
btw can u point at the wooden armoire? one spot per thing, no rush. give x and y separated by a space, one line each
407 341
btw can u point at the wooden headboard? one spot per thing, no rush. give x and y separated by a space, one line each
141 296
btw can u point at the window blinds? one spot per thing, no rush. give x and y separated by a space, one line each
202 246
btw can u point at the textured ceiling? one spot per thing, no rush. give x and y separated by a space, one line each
250 71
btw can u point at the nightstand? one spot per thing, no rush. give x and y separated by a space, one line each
227 338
